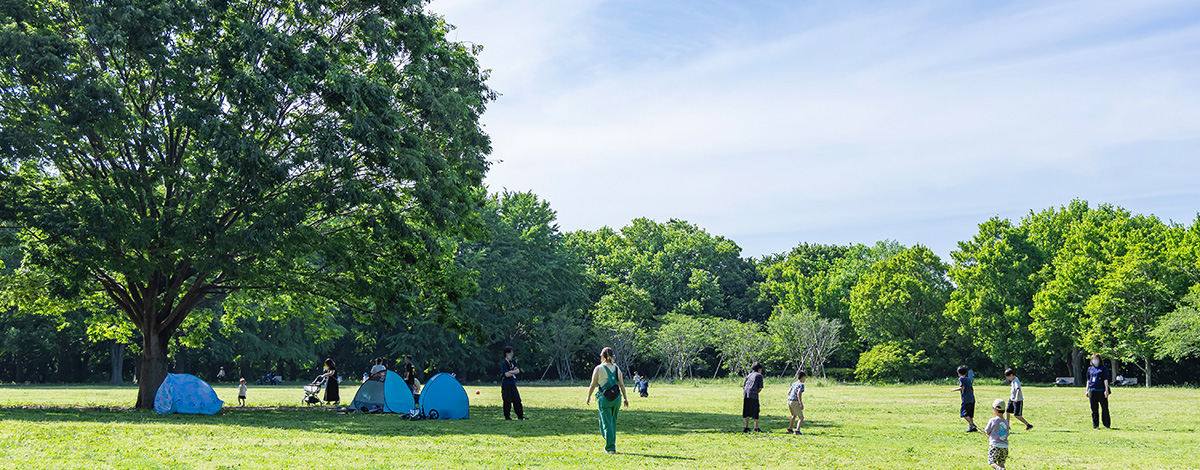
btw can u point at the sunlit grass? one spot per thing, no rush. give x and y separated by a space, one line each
686 425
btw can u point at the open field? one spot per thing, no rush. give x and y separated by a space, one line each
679 426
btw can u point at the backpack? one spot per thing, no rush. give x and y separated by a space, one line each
612 391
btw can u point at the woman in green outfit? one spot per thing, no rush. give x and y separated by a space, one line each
607 378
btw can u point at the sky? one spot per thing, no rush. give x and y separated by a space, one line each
776 123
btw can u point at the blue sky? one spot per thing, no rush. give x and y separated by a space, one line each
776 123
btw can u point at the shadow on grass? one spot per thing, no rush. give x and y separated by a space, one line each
484 420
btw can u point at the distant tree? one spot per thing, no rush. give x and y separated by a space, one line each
1177 333
740 344
995 279
679 341
561 337
624 336
806 340
902 299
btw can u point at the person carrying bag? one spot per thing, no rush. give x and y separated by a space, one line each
609 397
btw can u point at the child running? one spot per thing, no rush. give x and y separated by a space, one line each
967 410
795 403
997 433
1016 398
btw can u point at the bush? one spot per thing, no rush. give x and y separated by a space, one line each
889 362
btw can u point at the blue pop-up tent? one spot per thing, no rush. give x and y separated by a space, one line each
385 392
445 395
186 393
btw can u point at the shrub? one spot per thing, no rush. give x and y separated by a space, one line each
890 361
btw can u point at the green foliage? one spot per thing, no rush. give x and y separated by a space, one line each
902 299
679 340
649 269
169 152
805 340
890 361
995 277
1177 333
740 344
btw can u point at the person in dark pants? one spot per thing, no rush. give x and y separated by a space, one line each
408 372
508 385
1097 391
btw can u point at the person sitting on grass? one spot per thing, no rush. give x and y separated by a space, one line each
967 410
997 433
750 389
643 387
1016 398
795 403
242 392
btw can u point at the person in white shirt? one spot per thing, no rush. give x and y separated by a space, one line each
221 375
795 403
1016 398
997 433
378 367
242 392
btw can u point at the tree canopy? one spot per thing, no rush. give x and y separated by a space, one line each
168 152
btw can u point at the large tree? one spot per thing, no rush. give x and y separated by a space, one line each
995 278
165 152
902 299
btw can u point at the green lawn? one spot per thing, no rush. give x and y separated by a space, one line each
679 426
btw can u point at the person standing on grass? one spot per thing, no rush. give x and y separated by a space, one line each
795 403
221 375
242 392
997 430
750 389
508 385
607 377
967 410
331 383
1016 398
1098 390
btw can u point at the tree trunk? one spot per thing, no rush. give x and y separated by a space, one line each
154 368
1147 371
1077 365
1114 367
117 356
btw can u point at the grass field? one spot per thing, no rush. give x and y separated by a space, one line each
679 426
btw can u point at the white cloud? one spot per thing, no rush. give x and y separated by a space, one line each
843 123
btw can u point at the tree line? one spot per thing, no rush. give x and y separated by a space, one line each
677 302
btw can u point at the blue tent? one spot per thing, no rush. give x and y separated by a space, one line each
444 394
185 393
384 392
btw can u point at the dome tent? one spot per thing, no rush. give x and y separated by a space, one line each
385 392
445 395
186 393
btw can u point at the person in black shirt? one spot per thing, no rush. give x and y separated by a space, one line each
331 383
408 372
508 385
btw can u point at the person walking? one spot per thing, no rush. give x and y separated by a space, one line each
508 385
1098 390
611 394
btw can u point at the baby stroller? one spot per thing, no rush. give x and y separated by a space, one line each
312 392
